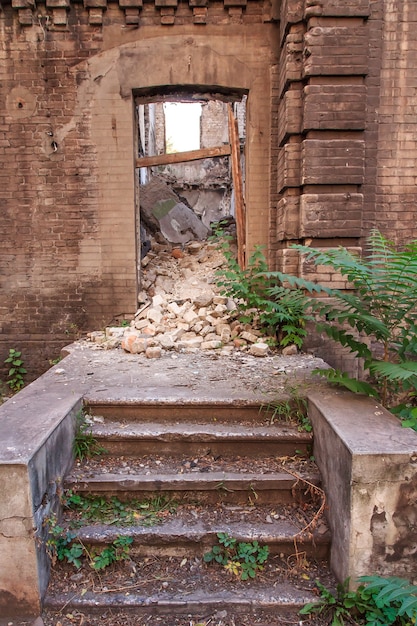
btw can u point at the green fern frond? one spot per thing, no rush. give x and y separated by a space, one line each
346 340
393 592
394 371
297 283
341 378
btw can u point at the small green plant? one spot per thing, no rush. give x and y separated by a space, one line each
114 511
116 551
85 444
62 545
16 373
262 298
378 601
242 559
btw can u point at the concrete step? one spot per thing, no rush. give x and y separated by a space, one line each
177 536
176 406
283 599
208 487
197 439
222 469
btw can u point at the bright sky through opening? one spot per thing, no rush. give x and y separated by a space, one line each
182 126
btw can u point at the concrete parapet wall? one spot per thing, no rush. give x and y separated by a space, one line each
368 464
36 431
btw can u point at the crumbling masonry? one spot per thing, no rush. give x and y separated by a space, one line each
330 138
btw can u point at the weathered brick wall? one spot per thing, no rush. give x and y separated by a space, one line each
396 116
346 131
329 154
69 74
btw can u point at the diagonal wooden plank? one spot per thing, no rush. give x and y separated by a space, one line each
181 157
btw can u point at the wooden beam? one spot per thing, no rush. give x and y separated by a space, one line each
181 157
240 209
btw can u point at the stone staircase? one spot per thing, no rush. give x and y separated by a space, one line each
195 469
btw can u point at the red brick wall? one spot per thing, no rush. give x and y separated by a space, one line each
330 149
68 77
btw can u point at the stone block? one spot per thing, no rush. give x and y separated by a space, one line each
333 162
162 210
290 113
336 51
59 17
334 107
290 12
288 217
130 4
153 352
331 215
55 4
132 15
291 61
26 17
336 8
211 345
155 315
200 15
95 16
190 316
248 336
259 349
289 163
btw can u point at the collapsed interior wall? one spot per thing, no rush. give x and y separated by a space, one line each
205 185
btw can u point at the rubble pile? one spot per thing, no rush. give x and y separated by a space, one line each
183 309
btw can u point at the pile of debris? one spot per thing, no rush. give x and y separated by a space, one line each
183 309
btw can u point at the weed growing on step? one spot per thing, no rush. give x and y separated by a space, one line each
62 545
17 371
378 601
113 511
262 299
85 444
292 411
117 551
242 559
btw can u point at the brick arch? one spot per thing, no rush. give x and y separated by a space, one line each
107 84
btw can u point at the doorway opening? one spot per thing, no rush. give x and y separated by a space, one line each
190 169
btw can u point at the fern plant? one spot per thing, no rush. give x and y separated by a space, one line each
261 296
377 601
376 319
